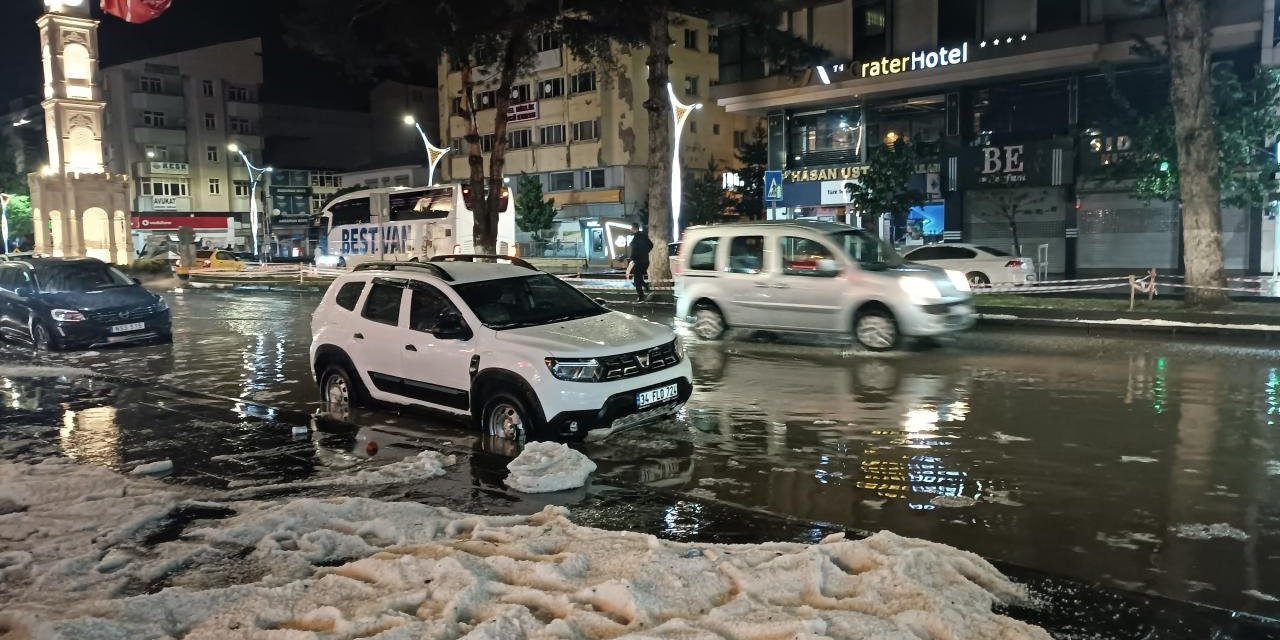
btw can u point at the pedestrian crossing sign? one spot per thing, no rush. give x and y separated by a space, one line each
772 186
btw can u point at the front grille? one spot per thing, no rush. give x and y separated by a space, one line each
121 314
638 363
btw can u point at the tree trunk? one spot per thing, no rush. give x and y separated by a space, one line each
486 223
1192 99
660 122
1013 230
475 157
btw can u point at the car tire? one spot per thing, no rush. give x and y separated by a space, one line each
41 338
708 322
339 389
977 278
876 330
165 338
509 416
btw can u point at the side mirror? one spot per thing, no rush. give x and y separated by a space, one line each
452 327
23 292
136 281
602 302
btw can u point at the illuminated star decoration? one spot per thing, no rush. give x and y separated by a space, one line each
679 113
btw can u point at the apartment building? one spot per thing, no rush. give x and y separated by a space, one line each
583 131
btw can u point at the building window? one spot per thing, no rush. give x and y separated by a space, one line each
586 130
242 188
691 39
870 29
551 88
957 22
386 181
215 186
153 118
150 84
211 154
593 179
715 129
486 143
455 106
237 94
240 125
739 138
582 82
553 134
548 42
691 85
713 42
318 200
562 181
157 152
1053 15
207 88
325 179
520 93
210 122
486 100
401 181
520 139
163 187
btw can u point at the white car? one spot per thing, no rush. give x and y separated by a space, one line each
522 353
981 265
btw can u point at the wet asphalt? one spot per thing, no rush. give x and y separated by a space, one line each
1099 458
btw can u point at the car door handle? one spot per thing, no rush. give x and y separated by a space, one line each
409 347
359 336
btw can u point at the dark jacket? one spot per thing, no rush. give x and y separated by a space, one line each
640 248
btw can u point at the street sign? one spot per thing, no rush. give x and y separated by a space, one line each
772 186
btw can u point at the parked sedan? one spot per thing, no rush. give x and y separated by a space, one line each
981 265
54 303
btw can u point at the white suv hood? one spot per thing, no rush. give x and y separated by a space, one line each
606 334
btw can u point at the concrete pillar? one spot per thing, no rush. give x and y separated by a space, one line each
40 226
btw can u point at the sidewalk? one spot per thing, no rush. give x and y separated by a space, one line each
252 452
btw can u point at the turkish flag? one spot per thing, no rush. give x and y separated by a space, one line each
136 11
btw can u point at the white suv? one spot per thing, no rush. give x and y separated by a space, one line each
520 351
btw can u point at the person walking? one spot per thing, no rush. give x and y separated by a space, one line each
638 263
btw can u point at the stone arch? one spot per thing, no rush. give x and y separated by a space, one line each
76 62
97 234
57 233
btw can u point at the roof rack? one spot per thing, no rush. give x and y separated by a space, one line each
434 269
481 257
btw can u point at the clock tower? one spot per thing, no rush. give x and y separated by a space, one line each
79 209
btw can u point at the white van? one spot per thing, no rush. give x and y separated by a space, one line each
818 277
404 223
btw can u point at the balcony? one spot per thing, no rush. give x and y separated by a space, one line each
147 100
154 168
172 136
163 203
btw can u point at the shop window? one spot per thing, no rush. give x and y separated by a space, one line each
870 24
826 137
1022 110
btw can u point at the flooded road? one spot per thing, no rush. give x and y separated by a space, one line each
1147 464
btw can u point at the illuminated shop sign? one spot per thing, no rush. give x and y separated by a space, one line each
842 173
922 60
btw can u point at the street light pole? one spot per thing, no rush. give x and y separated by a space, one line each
434 153
4 220
679 113
255 174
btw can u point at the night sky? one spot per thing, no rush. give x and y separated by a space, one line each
290 77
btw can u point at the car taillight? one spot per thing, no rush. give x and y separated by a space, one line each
205 264
1015 264
371 448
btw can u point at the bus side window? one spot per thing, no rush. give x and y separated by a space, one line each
355 211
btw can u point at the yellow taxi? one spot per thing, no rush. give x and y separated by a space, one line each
215 260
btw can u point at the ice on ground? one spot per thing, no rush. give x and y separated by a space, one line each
311 568
152 468
427 464
1254 593
1208 531
33 371
1004 437
700 493
953 502
543 467
1138 459
873 504
1273 467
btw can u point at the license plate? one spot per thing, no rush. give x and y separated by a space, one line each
654 396
132 326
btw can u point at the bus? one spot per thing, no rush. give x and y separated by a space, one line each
405 223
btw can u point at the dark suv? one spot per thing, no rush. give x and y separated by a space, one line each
56 303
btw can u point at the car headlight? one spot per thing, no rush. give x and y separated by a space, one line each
679 348
919 289
574 369
959 280
161 304
67 315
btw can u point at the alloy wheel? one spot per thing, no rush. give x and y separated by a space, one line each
875 331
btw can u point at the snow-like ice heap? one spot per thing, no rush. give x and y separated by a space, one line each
85 546
543 467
